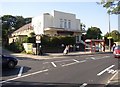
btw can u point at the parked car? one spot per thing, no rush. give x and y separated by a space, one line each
116 51
8 61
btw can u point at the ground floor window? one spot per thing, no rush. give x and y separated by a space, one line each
78 38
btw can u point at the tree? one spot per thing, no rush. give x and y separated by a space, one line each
112 6
8 23
114 34
11 23
27 20
94 33
82 26
20 22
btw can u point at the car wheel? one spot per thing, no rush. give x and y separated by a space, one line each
11 64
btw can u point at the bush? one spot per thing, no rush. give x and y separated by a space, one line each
16 47
56 41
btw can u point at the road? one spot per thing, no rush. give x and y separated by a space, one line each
93 70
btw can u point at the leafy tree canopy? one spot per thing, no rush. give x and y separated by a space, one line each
112 6
93 33
114 34
11 23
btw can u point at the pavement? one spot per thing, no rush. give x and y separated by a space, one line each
113 81
54 55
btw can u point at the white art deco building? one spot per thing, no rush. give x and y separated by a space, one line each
57 23
54 23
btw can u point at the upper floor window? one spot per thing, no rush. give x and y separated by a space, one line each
61 23
65 23
69 24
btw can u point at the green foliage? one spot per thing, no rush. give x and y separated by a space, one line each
32 34
114 34
57 40
31 40
16 47
94 33
112 6
11 23
19 22
24 40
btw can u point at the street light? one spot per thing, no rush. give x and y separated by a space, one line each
109 31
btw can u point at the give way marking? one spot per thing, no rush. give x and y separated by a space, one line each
109 70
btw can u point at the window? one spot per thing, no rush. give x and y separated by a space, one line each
61 23
77 38
69 24
65 23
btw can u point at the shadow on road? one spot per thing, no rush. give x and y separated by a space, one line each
15 71
51 84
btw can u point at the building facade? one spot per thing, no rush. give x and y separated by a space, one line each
22 32
55 23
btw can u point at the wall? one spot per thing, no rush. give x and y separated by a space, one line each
68 16
37 23
47 20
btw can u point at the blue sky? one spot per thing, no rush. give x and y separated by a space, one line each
90 13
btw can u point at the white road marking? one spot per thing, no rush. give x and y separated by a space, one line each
74 63
82 61
63 60
53 64
69 64
90 55
20 72
83 85
106 56
103 57
112 77
105 70
112 71
59 61
93 58
76 60
24 76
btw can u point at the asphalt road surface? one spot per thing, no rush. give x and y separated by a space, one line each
63 71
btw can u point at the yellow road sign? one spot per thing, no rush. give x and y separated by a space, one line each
109 37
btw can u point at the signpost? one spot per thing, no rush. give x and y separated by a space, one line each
109 42
38 41
38 29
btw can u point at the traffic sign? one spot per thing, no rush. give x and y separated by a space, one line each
109 37
38 39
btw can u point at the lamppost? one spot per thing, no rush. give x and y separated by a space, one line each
109 31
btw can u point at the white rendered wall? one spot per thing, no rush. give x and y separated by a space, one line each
78 24
47 21
75 23
37 23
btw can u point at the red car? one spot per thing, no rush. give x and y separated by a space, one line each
116 51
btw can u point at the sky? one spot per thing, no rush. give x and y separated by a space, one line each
90 13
